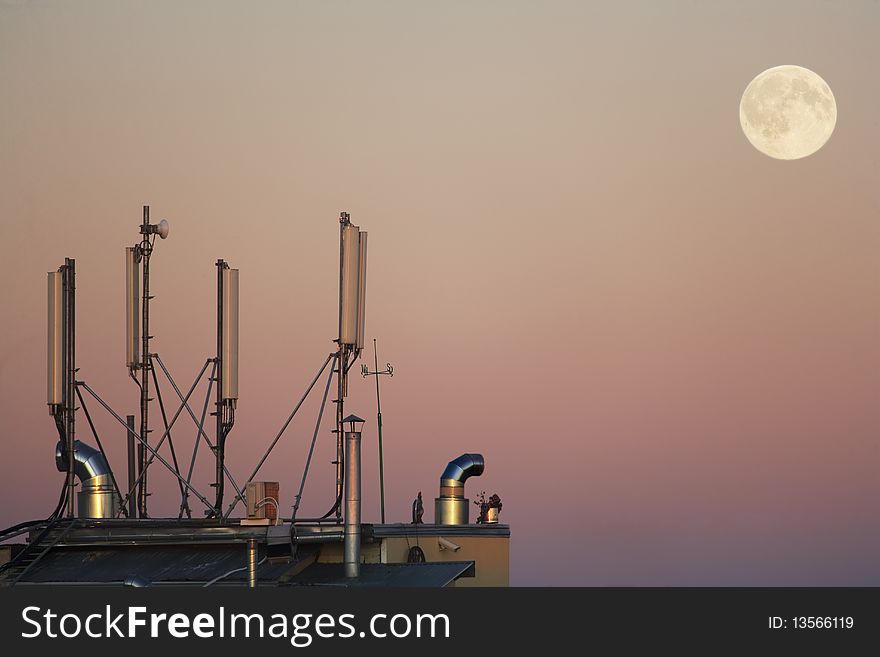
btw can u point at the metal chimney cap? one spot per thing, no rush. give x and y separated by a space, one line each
353 418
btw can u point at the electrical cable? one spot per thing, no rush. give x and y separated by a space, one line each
231 572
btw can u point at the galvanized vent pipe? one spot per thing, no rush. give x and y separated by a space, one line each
452 507
351 547
98 498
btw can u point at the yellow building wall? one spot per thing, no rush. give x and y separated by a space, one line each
490 554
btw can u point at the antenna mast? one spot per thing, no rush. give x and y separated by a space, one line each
146 249
365 372
352 293
341 360
141 253
69 277
227 369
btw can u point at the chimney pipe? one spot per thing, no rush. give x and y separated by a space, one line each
352 536
97 499
452 507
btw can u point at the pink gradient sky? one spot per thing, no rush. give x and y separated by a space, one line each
666 345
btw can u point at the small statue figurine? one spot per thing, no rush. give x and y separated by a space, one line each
418 510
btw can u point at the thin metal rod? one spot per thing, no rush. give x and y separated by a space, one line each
154 453
220 431
101 449
165 423
69 278
340 403
193 416
240 496
344 220
379 422
302 483
132 470
167 432
141 452
184 503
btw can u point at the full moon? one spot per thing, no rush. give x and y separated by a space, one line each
788 112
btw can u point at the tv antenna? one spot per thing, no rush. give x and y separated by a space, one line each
365 372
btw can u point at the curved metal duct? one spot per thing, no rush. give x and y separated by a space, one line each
452 507
97 499
459 470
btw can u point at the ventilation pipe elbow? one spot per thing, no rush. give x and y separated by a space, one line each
452 507
461 469
97 498
89 462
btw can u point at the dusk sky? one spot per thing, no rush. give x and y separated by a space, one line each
665 343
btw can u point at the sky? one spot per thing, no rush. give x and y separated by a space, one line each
665 343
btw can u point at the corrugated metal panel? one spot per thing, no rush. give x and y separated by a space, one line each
182 564
154 563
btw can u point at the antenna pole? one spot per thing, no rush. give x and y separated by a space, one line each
341 379
365 371
219 438
341 360
69 282
132 477
146 249
379 422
